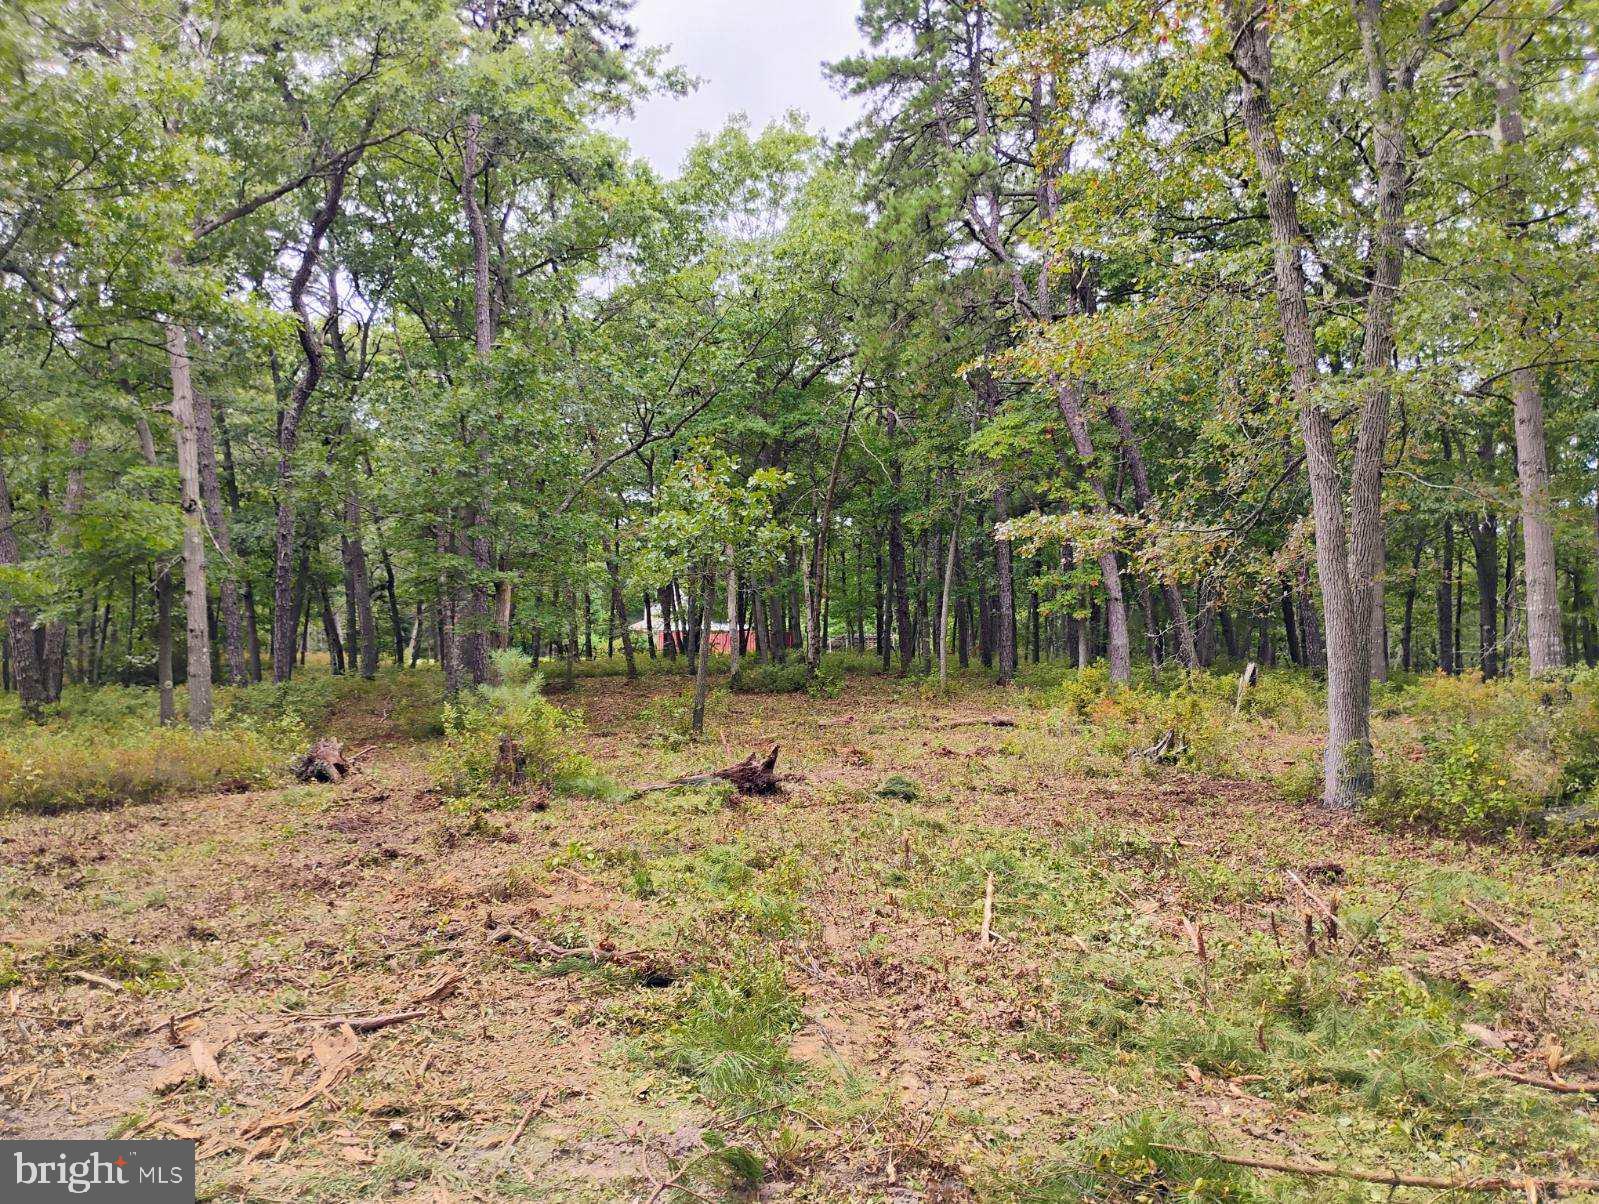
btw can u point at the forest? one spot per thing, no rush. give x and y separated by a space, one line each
1042 647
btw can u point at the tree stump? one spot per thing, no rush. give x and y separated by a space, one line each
510 773
324 761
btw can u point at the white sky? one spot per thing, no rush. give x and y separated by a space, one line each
757 57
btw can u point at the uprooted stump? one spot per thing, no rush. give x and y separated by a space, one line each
748 776
324 761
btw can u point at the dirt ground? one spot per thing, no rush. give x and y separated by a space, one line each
359 991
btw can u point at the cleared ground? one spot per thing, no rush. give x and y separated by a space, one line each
685 994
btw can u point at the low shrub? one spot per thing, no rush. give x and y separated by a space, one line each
732 1035
544 739
788 677
58 767
1142 1157
1459 782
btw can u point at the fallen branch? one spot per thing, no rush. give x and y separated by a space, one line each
980 721
1527 943
98 980
1563 1086
987 935
1509 1183
368 1024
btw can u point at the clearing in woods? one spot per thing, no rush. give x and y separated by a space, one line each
940 964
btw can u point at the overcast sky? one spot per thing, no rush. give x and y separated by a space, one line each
757 57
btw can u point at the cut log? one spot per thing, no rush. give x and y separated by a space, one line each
748 776
324 761
979 721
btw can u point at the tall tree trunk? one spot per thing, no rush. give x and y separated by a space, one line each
25 668
735 633
474 643
949 582
358 587
896 556
1347 776
330 632
293 412
1485 544
216 519
55 633
1446 599
1544 646
194 574
1171 594
620 605
702 653
816 641
1407 635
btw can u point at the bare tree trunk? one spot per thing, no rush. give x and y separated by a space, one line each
290 418
330 632
620 605
1176 607
55 633
216 519
702 653
896 557
816 637
358 587
1544 646
474 643
1347 771
943 604
1446 599
194 575
734 632
25 668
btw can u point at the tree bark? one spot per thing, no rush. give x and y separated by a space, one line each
358 586
1347 775
474 643
55 633
1545 650
702 654
216 520
816 641
1176 605
293 413
1446 599
194 570
943 603
25 668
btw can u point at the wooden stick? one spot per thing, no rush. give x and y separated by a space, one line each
1563 1086
987 934
1517 1183
1527 943
367 1024
97 979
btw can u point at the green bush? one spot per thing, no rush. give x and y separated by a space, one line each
787 677
55 767
1134 1160
1460 783
543 735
